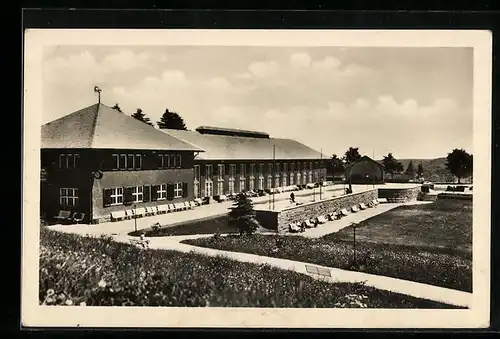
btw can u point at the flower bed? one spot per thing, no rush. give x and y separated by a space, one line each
77 270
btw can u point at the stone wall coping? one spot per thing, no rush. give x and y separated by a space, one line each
329 199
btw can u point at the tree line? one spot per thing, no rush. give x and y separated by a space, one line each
168 120
458 162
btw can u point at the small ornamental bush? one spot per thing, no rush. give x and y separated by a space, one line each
84 271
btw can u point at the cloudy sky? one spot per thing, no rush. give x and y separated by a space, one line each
413 102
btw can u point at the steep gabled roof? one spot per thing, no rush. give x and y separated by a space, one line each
220 147
101 127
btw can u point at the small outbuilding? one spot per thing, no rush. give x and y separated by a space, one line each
365 171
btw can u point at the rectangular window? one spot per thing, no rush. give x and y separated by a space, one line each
220 168
277 169
284 184
269 182
310 166
209 187
261 183
208 171
242 184
178 161
197 172
232 170
122 164
178 190
117 196
196 189
138 161
252 171
291 178
173 163
269 169
130 161
285 167
277 181
162 192
231 186
137 194
116 161
261 170
251 184
68 197
68 161
242 170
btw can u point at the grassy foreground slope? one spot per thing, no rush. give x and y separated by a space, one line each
77 270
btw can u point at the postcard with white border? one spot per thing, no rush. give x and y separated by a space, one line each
256 178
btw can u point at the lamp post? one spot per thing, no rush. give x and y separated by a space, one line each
354 241
135 219
98 91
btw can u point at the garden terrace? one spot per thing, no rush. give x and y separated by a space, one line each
428 243
77 270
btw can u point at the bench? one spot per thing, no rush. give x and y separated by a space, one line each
118 215
294 228
192 204
139 243
321 219
129 214
308 224
333 216
355 209
78 217
198 201
150 210
362 206
63 215
162 209
176 207
140 212
344 212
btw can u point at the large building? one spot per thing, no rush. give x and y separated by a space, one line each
238 160
364 171
98 160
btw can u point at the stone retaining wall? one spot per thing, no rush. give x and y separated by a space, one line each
317 208
399 194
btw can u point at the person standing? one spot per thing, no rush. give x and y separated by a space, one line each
292 197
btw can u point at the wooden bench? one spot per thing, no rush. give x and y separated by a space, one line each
294 228
150 210
355 209
344 212
140 212
362 206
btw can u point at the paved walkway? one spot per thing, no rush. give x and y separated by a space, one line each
201 212
334 275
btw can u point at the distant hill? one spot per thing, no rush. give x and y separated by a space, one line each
434 169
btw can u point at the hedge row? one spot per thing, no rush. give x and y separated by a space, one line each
77 270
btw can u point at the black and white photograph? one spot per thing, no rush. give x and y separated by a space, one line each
231 178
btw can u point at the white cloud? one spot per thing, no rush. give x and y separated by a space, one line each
263 68
300 60
327 63
125 60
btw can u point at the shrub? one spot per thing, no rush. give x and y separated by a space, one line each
242 215
77 270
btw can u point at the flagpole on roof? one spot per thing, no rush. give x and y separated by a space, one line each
98 91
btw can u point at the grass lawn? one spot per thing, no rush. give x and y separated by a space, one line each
428 243
216 224
76 270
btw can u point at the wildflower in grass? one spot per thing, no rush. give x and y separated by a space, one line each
101 284
69 302
50 292
49 300
83 303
